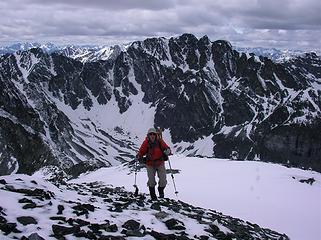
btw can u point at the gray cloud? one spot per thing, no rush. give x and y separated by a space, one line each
273 23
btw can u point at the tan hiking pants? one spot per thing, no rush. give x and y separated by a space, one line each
161 173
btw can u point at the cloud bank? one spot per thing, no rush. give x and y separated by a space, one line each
273 23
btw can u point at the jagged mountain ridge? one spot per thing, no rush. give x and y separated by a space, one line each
277 55
83 53
88 53
245 104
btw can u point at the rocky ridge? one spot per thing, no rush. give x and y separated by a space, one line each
247 106
40 210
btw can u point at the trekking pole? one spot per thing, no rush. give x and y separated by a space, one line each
170 167
135 185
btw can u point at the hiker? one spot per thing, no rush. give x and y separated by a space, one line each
154 152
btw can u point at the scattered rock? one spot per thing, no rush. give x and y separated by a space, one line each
111 238
25 200
58 218
161 215
133 233
162 236
2 181
173 224
81 222
29 205
2 220
204 237
308 181
39 193
118 200
34 182
8 228
61 208
175 208
112 228
156 206
81 234
84 207
131 225
35 236
26 220
60 231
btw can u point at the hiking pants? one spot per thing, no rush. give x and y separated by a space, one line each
161 173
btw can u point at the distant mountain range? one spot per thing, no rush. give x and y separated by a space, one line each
66 109
85 53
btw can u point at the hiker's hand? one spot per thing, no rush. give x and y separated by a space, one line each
167 151
137 158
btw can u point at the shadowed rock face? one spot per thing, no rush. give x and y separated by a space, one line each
248 104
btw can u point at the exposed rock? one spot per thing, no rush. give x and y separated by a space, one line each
25 200
8 228
161 215
173 224
58 218
39 193
98 227
308 181
131 225
60 231
156 206
3 220
2 181
26 220
30 205
60 209
35 236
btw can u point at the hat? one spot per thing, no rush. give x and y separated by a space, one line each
151 130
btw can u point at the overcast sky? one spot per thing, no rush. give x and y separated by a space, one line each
292 24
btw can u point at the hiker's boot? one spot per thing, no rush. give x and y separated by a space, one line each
152 193
161 192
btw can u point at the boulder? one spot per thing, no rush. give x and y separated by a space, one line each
131 225
174 224
60 231
26 220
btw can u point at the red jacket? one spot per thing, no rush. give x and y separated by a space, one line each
153 151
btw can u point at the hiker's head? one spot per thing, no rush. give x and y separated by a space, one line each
152 134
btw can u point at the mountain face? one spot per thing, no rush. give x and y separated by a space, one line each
210 99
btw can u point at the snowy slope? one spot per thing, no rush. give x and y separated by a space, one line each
267 194
30 206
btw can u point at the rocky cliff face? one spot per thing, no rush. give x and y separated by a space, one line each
249 106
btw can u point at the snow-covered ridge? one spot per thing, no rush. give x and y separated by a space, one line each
101 202
31 205
83 53
273 196
277 55
86 53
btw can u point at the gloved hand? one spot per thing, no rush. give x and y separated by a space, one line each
167 151
139 159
